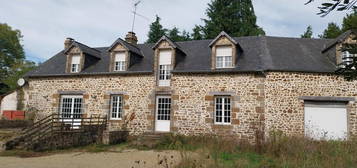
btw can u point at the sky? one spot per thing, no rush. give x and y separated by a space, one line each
45 24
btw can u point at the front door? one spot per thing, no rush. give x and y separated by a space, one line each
71 110
163 114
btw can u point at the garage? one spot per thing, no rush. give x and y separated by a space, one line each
326 120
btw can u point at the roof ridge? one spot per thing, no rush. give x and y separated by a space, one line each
86 45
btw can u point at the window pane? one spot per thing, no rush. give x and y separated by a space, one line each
223 110
163 108
116 107
164 72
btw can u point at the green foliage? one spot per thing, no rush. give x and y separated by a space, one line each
175 35
11 50
12 58
339 5
156 31
350 21
308 33
236 18
197 33
332 31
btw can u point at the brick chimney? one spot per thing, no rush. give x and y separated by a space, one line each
131 38
68 42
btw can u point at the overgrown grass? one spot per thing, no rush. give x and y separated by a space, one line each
278 151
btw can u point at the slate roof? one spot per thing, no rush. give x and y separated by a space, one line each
130 47
84 48
260 53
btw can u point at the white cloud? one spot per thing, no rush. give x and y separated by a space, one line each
45 24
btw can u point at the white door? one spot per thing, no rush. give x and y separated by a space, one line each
163 114
326 120
71 109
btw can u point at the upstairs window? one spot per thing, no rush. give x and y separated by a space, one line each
119 61
347 58
224 57
164 67
75 63
223 110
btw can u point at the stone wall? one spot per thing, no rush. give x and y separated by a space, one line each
44 95
285 111
267 103
193 103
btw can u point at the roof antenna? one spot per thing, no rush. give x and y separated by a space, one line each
135 6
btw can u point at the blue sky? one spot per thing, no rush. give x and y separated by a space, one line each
46 23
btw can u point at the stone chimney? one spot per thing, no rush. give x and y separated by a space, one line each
68 42
131 38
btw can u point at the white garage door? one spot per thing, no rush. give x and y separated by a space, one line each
326 120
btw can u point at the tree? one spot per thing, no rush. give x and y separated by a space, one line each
308 33
12 58
339 5
197 33
235 17
332 31
156 31
17 71
10 49
175 35
350 21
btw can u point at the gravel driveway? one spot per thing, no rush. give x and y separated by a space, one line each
124 159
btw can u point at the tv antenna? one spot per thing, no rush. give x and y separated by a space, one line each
137 14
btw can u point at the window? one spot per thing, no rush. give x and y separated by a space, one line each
347 58
71 106
163 108
119 61
222 110
224 57
164 67
75 63
116 109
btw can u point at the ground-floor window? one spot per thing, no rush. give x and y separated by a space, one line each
163 108
222 110
116 109
71 106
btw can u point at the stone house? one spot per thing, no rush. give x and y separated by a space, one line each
231 86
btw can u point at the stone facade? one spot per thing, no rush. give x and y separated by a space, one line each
285 111
267 102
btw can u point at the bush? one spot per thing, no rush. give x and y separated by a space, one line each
15 123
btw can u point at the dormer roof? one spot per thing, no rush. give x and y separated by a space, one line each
341 38
219 36
84 48
165 38
130 47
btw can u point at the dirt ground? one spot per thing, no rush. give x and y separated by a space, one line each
130 158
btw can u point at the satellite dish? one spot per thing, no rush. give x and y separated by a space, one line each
21 82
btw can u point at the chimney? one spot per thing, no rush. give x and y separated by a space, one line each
68 42
131 38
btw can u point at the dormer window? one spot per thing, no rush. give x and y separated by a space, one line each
347 58
119 61
165 67
224 57
75 63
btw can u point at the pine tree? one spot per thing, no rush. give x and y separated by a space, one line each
176 35
235 17
308 33
197 33
332 31
156 31
350 21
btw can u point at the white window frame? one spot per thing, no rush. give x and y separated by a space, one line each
75 66
120 61
167 115
225 59
347 58
118 106
72 106
165 67
223 108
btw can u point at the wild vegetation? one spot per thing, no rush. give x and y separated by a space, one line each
278 151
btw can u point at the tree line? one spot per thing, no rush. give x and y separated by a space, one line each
235 17
333 30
